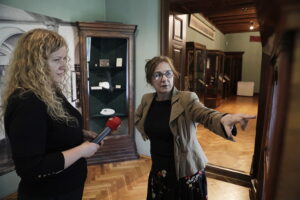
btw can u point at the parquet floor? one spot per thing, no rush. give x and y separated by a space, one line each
235 155
118 181
128 180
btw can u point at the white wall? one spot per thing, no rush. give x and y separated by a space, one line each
251 57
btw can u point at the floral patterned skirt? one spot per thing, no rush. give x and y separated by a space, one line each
163 185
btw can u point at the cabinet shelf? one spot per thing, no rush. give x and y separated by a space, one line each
107 116
106 68
108 90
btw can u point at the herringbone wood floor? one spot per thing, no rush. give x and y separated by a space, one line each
235 155
118 181
128 180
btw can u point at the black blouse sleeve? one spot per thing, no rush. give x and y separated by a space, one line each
26 127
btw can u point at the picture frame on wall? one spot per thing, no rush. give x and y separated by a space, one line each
200 26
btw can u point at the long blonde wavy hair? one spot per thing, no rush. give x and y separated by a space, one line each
28 70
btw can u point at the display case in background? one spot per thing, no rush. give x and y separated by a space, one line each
232 72
107 86
196 57
214 78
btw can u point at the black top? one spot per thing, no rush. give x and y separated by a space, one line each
158 130
37 142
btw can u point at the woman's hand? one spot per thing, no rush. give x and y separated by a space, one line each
89 134
84 150
230 120
88 149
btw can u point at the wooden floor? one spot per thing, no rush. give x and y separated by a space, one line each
128 180
235 155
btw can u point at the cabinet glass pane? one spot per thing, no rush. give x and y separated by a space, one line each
107 81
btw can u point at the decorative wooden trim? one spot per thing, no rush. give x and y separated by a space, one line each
177 33
164 27
253 190
106 26
200 26
228 175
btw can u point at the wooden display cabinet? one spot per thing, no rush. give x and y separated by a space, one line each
194 77
214 78
232 72
107 74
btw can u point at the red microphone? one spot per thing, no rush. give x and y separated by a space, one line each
112 124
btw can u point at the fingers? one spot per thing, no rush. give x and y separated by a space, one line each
231 119
245 119
244 124
228 131
242 119
246 116
89 134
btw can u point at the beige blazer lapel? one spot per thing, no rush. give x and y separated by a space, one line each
147 103
177 108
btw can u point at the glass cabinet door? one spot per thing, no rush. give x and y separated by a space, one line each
107 86
107 78
200 73
194 72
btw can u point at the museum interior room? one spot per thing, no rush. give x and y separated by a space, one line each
238 56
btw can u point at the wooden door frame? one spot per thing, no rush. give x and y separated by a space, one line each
217 172
275 20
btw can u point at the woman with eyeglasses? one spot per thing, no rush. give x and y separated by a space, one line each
168 118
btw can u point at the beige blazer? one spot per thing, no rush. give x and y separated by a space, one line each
186 113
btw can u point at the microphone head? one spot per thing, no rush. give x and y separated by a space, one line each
113 123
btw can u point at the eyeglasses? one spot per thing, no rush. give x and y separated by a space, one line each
158 75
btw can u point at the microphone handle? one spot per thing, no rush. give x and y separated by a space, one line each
101 136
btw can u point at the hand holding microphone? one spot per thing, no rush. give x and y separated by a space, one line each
112 124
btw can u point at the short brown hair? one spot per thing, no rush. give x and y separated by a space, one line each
154 62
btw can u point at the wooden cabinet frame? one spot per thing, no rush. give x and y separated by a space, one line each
121 147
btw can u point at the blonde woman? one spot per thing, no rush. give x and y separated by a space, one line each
168 118
44 130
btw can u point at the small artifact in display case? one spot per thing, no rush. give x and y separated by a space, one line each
119 62
107 111
104 62
104 85
96 88
118 86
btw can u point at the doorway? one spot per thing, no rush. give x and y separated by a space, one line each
174 25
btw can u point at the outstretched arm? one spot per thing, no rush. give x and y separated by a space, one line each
229 120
